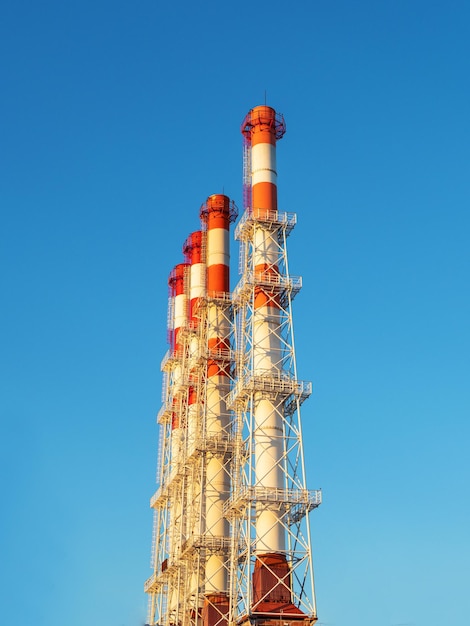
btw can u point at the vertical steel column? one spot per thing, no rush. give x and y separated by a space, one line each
194 251
216 214
178 288
267 357
270 505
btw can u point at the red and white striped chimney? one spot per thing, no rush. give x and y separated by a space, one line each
178 320
194 252
216 215
262 128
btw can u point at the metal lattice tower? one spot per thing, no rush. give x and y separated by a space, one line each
231 539
271 561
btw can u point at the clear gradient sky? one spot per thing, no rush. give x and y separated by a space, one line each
118 119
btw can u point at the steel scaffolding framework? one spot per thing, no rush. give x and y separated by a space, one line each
231 537
281 387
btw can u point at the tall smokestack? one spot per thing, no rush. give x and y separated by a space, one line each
216 214
231 526
177 283
267 392
263 129
194 251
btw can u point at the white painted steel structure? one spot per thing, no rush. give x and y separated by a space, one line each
272 561
231 541
270 501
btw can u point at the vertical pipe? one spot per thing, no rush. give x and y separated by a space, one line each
194 251
179 298
271 585
178 293
216 215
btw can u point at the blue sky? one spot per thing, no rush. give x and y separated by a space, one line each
118 119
